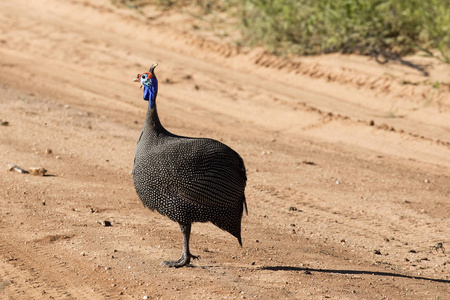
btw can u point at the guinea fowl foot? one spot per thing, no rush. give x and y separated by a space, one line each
181 262
186 255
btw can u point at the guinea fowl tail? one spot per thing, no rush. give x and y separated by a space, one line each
245 204
230 219
238 235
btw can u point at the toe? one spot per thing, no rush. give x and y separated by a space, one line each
182 261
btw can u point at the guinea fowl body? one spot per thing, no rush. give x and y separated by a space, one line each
189 180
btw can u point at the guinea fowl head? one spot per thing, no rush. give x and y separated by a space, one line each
150 83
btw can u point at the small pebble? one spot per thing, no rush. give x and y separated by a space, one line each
106 223
377 252
37 171
48 151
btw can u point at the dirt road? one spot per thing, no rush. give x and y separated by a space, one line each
348 163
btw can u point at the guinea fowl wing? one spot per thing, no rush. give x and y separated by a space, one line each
213 174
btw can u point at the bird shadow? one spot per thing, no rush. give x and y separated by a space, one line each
352 272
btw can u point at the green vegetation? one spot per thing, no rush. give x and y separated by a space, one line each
363 26
372 27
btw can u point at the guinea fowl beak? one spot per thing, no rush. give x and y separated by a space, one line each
137 79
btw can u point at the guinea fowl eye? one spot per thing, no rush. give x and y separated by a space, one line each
144 76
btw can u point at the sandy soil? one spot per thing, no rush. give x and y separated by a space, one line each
348 163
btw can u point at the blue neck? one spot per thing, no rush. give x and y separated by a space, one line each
150 92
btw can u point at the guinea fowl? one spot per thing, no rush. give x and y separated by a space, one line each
187 179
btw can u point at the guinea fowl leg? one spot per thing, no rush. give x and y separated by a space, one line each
186 256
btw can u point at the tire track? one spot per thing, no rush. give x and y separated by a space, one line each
57 278
20 284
